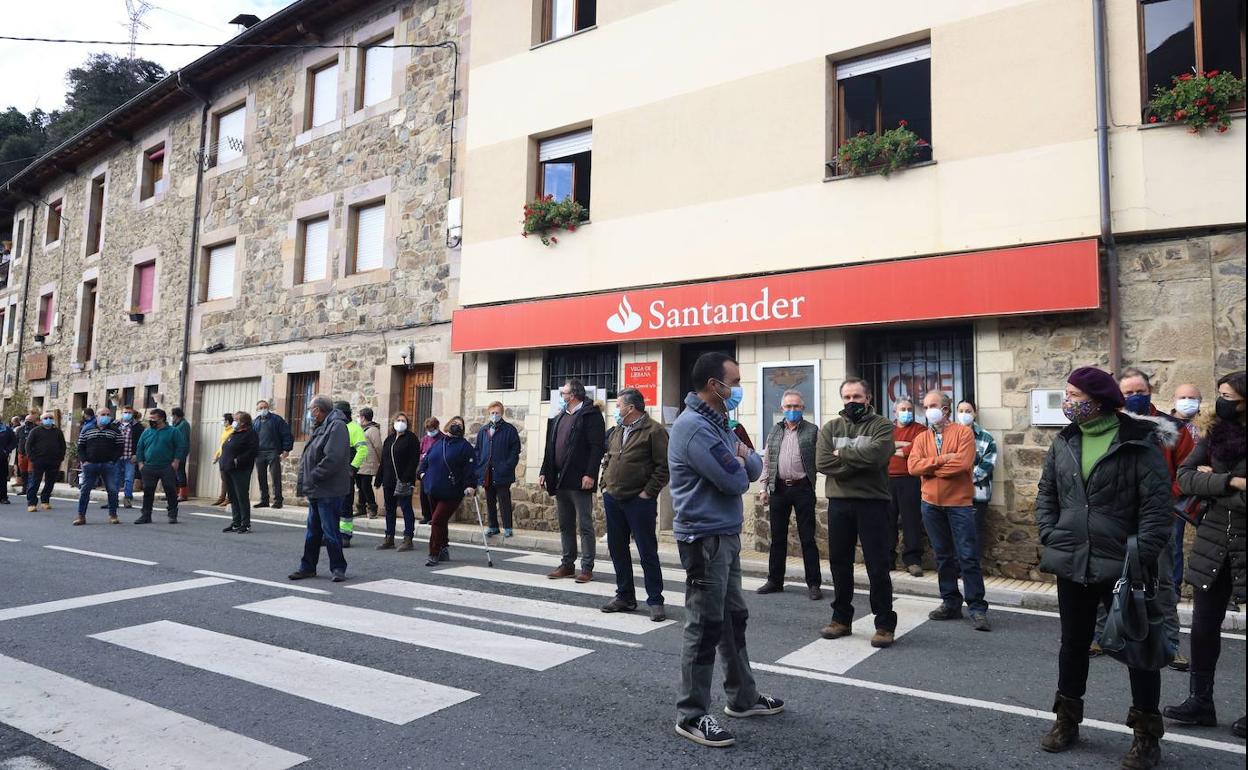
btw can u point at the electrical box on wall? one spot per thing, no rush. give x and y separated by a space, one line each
1046 408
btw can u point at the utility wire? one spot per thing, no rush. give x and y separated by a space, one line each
217 45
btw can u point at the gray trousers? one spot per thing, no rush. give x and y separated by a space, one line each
715 618
575 508
1167 596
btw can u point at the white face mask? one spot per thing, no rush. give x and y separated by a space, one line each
934 415
400 427
262 412
234 425
1187 406
966 418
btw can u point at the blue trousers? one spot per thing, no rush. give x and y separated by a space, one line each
323 528
637 517
955 539
125 477
92 473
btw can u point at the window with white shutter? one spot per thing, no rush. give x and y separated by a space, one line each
228 138
323 94
370 227
315 250
377 76
220 269
564 164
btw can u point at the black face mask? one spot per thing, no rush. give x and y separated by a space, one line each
1226 409
456 430
855 411
153 423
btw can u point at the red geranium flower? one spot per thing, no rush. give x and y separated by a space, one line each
1185 76
553 239
901 123
1222 129
1212 73
1152 119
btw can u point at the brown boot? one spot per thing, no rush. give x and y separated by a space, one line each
220 500
835 630
882 638
405 545
386 544
78 522
561 572
1065 731
1145 751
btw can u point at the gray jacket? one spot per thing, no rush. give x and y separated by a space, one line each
324 467
707 478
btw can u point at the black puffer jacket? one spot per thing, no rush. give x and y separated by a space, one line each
1084 526
1221 532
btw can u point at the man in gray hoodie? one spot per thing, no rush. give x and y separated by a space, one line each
324 479
710 471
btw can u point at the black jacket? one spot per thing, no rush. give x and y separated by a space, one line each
8 440
1220 536
238 453
586 443
400 451
99 445
46 446
23 433
273 433
1084 525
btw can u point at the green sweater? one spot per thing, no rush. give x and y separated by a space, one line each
159 448
1098 434
859 467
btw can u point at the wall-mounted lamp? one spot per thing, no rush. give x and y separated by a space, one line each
409 358
215 347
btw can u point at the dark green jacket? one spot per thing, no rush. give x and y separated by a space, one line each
638 466
159 448
860 468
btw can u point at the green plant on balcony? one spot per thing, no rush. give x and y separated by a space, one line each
544 216
886 152
1199 100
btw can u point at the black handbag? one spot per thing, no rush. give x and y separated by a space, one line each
1135 630
401 488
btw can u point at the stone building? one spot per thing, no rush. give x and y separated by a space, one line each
266 222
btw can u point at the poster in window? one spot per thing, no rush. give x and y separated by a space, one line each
773 380
911 378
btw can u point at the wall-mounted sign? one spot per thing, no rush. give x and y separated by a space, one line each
644 376
37 366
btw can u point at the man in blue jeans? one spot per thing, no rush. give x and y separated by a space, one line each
99 449
634 471
131 431
325 480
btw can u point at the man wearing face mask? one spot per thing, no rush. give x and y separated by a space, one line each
99 449
789 487
498 453
276 441
903 490
710 471
325 480
943 457
575 441
45 446
1187 409
159 448
853 452
131 431
177 418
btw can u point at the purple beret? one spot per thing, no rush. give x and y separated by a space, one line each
1099 385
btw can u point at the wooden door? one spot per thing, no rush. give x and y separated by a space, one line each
418 395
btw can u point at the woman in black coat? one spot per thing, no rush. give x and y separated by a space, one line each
1104 480
400 456
1216 570
237 461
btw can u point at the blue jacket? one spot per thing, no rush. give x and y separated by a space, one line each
274 433
707 479
450 456
500 454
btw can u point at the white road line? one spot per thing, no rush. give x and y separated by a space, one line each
99 555
534 580
621 622
836 656
368 691
532 654
605 567
253 521
258 581
91 600
9 540
120 732
526 627
1005 708
25 762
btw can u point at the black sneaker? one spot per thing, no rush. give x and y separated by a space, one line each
445 554
771 588
979 621
619 605
144 519
278 504
243 530
432 561
706 731
657 613
230 528
261 504
945 612
764 706
301 575
339 576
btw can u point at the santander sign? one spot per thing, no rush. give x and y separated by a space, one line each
662 316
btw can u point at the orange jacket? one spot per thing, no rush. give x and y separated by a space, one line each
946 475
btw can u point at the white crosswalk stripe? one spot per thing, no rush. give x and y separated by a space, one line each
507 649
836 656
605 567
92 600
534 580
378 694
120 732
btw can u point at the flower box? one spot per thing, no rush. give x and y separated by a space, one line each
882 153
1198 100
546 215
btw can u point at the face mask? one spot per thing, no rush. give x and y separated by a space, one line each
934 415
793 415
905 418
103 420
966 418
1187 406
1080 411
455 430
400 427
234 425
1226 409
736 394
262 413
152 423
126 417
619 418
1139 403
563 404
855 411
431 433
48 421
496 418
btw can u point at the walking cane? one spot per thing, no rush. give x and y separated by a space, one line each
489 560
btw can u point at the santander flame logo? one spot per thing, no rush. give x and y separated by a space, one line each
625 320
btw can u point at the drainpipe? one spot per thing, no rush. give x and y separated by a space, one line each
200 159
1102 167
21 328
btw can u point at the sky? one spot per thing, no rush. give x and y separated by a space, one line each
33 74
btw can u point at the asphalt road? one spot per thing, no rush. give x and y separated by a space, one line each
516 676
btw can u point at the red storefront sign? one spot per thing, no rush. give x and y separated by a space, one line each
644 376
1030 279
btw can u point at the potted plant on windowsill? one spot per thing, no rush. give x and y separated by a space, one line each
136 315
546 215
1199 100
884 153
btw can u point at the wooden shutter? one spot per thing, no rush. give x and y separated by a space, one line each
147 287
230 128
324 95
370 228
378 72
315 250
220 272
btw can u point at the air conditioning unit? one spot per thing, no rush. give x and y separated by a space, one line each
1046 408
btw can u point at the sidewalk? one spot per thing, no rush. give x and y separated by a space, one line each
1022 594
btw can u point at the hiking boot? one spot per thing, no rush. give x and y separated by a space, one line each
80 520
112 519
220 500
1095 651
619 605
339 576
405 545
815 593
144 519
300 575
32 508
764 706
658 613
46 506
432 561
1145 751
445 553
491 531
835 630
771 587
705 731
506 532
979 621
881 638
1179 663
585 576
915 570
386 544
1065 731
1198 709
945 612
561 572
128 502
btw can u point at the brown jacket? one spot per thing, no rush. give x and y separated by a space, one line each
946 475
638 466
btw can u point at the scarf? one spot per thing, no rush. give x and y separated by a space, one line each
1226 443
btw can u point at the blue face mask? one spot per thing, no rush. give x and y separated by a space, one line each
48 422
735 397
1140 403
103 420
905 418
126 417
563 404
793 415
431 433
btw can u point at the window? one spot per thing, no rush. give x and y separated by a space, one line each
55 210
368 228
3 314
95 215
153 182
313 248
301 391
901 364
376 73
561 18
322 96
144 288
86 321
227 135
46 306
597 366
127 396
219 272
564 166
149 396
12 322
876 93
501 371
21 239
1185 35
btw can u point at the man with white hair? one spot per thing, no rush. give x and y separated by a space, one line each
789 473
45 446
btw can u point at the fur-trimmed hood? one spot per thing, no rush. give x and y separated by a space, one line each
1164 427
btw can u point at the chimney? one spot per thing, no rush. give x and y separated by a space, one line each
245 21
